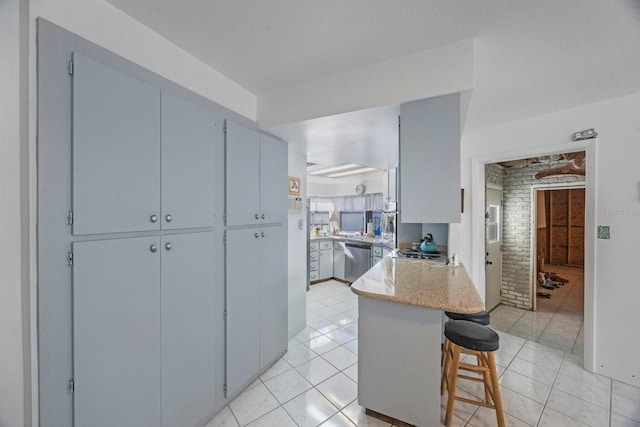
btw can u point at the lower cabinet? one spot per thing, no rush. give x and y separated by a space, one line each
325 264
256 301
338 260
143 353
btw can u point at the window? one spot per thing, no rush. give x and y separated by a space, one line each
352 221
493 230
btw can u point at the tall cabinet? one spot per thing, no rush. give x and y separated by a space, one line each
143 296
256 253
430 160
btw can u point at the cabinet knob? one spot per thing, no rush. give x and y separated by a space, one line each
262 234
257 235
257 216
262 216
153 218
153 248
167 246
168 218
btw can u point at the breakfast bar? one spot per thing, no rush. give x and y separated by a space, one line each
400 303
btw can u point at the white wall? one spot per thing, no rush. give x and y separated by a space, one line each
298 248
617 182
13 357
434 72
105 25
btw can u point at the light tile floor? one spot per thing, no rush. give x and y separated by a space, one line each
315 383
557 322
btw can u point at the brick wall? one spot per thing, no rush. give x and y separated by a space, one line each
516 226
494 174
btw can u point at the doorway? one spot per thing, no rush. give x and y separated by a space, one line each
552 316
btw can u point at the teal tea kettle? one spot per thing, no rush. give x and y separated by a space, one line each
428 245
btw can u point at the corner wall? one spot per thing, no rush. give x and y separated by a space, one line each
612 293
297 248
15 387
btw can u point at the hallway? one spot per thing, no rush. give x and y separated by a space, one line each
558 322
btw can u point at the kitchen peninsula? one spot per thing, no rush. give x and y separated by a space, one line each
400 303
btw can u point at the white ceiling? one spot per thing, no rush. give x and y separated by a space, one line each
531 57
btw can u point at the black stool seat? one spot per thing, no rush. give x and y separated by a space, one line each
481 317
471 335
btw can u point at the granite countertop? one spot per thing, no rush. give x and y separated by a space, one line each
421 283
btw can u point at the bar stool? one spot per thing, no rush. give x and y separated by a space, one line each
481 318
466 337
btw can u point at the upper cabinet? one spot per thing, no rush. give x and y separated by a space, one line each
189 137
256 177
430 160
142 159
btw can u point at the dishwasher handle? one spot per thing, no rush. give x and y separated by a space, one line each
358 245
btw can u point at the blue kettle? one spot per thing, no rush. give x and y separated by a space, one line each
428 245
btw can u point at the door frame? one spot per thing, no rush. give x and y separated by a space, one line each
477 181
533 233
500 188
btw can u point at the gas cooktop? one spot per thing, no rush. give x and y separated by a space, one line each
417 254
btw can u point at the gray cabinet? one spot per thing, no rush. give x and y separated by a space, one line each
116 150
256 177
188 319
430 160
116 333
189 137
142 322
142 159
256 301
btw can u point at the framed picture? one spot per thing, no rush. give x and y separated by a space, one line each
294 186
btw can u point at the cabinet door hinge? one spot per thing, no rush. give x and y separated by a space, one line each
224 127
224 314
70 218
69 259
225 390
224 240
70 387
70 68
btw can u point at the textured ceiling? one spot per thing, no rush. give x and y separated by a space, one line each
531 57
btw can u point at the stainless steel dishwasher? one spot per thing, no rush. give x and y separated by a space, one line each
357 260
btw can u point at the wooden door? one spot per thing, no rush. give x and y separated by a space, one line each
116 333
188 325
189 136
116 150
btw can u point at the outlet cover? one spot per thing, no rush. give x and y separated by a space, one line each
603 232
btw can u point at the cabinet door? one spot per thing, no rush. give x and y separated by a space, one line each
188 318
430 160
189 136
116 332
273 179
338 263
242 165
243 315
116 150
326 264
273 294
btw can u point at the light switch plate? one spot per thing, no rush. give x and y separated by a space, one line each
300 224
603 232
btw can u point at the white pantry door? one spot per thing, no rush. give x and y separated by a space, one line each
493 264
